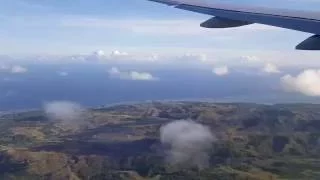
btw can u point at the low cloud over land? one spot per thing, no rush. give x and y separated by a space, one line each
67 113
188 143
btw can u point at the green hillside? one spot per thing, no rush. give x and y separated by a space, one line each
253 142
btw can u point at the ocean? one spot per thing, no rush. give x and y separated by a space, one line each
90 85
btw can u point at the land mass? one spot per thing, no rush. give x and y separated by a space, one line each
253 142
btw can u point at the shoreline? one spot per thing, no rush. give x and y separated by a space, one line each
4 112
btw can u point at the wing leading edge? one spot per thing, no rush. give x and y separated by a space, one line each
227 16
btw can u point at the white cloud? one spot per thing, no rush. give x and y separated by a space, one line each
221 71
63 110
99 53
68 114
189 57
114 72
78 59
270 68
142 76
188 141
307 82
184 57
120 56
117 57
18 69
153 57
117 53
251 60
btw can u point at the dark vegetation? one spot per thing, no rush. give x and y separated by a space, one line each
254 142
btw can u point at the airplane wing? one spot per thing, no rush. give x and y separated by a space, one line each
226 16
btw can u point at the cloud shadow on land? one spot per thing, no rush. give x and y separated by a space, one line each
112 149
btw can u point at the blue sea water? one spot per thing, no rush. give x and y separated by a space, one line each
90 85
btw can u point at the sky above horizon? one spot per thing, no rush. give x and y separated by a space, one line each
83 26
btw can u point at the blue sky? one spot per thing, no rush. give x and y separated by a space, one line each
83 26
